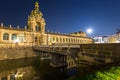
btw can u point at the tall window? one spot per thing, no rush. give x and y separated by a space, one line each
56 39
5 36
60 40
35 39
53 39
21 38
37 28
63 40
14 36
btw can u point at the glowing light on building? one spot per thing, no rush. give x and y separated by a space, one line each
17 40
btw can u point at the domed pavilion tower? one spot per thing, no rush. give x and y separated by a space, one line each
36 21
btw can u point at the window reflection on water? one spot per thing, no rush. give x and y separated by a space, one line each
29 69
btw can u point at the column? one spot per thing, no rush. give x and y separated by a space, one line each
8 77
10 37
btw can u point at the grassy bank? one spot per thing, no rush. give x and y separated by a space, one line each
111 74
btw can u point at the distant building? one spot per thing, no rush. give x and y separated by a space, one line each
34 33
105 39
115 38
100 39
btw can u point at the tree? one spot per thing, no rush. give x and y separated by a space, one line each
118 31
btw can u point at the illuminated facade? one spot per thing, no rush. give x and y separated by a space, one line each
34 33
115 38
100 39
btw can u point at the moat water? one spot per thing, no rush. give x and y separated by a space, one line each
32 69
36 69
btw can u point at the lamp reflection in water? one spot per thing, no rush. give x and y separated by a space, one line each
19 75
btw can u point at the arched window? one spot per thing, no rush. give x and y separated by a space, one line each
14 37
4 78
53 39
69 40
60 40
63 40
56 39
37 28
5 36
66 40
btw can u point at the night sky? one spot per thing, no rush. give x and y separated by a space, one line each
66 16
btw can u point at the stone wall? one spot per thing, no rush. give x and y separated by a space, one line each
16 53
103 53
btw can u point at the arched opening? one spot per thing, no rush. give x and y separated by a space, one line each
63 40
53 39
56 39
60 40
35 39
38 27
4 78
14 37
5 36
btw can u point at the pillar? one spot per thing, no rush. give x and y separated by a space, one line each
10 38
8 77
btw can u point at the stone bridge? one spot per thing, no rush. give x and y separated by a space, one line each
60 56
71 55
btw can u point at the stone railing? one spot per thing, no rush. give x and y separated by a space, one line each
63 45
13 45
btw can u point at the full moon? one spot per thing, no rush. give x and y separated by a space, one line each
89 31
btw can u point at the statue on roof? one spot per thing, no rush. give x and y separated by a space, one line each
36 11
36 6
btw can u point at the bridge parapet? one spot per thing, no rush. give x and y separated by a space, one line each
61 55
62 49
64 46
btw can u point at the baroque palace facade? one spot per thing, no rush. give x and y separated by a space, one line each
34 33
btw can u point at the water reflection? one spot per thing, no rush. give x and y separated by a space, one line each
31 69
46 72
20 69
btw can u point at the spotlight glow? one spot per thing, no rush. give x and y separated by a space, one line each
17 41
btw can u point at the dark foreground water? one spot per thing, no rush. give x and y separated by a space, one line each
31 69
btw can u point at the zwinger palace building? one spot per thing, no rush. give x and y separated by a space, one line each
34 33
